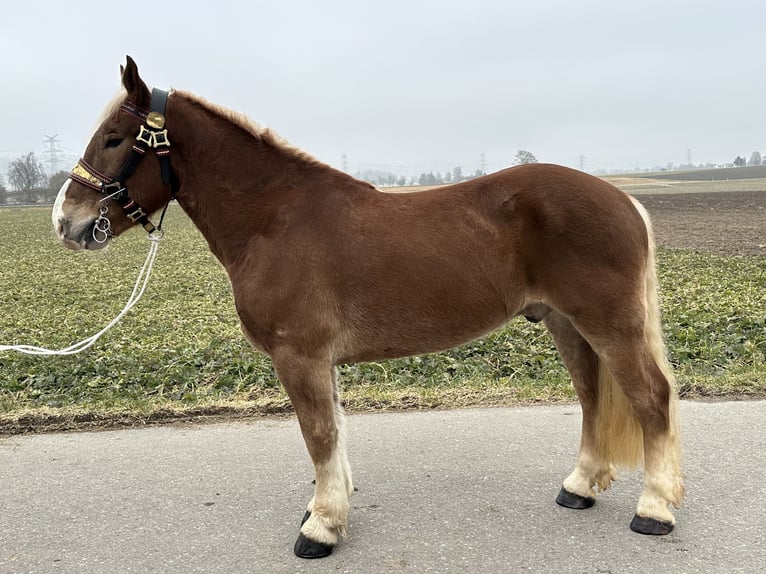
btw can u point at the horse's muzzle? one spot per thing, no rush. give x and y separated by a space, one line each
77 238
74 235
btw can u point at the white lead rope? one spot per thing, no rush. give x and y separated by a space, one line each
138 291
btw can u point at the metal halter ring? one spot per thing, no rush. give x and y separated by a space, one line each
102 227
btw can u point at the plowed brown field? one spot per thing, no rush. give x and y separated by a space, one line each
729 223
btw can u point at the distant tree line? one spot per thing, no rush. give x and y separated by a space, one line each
755 159
28 184
389 179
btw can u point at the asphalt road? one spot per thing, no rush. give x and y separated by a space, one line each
448 491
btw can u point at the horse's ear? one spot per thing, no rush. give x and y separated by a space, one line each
138 93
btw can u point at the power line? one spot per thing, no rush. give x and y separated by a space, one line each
52 152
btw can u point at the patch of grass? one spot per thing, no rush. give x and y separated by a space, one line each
714 314
180 351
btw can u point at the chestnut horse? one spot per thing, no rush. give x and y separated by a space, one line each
325 270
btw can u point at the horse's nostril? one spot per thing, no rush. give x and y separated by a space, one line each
59 227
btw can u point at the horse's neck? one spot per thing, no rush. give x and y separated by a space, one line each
232 182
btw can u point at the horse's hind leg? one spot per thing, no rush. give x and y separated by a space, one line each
646 381
593 468
638 404
312 388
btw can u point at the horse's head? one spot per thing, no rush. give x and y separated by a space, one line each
95 204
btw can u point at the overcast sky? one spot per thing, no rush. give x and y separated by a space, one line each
408 85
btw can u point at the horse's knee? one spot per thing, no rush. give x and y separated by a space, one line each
321 438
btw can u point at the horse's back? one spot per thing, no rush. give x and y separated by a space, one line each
535 213
449 264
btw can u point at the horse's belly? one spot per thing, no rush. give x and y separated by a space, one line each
418 330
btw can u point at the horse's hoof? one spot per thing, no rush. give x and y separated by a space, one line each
571 500
307 548
644 525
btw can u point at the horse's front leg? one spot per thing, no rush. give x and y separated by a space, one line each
312 388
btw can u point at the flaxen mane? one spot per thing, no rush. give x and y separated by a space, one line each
262 133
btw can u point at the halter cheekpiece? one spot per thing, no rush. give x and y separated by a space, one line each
152 134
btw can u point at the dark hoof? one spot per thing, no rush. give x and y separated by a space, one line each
644 525
571 500
307 548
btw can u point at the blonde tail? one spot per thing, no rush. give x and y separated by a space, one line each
620 439
656 347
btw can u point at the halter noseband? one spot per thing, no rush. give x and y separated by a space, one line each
152 134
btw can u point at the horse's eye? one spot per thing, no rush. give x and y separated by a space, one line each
113 142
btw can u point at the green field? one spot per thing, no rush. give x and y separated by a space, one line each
180 353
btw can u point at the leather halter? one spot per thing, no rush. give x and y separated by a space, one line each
152 134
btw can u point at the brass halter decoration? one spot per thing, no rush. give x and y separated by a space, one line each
152 134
